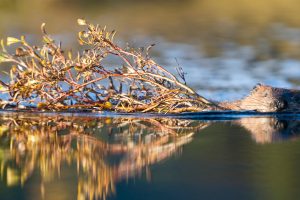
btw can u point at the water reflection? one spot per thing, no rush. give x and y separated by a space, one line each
268 130
45 143
105 150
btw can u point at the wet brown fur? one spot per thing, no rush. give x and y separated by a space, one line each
265 98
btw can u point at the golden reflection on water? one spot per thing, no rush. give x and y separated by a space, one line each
45 143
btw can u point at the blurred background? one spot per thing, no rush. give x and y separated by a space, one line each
224 46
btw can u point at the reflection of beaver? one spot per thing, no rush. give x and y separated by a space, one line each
267 130
266 99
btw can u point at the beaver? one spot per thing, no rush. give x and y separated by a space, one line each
264 98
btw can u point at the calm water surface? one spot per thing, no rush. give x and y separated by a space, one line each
80 157
224 46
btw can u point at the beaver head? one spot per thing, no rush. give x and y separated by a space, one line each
265 98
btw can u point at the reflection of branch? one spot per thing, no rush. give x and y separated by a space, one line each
146 155
46 142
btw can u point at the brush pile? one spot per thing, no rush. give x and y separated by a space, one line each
48 78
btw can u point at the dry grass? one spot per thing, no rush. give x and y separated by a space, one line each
50 79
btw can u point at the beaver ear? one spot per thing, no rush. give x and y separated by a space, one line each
257 86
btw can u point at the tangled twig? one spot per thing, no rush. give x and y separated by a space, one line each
48 78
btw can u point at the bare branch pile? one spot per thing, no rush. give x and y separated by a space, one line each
48 78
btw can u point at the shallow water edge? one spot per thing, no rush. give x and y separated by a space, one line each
205 115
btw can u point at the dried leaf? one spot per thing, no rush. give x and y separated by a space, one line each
3 59
2 88
23 39
107 105
41 105
21 52
70 55
47 39
43 28
82 34
3 46
113 33
12 40
81 22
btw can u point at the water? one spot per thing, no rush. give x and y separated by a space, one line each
50 156
224 46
